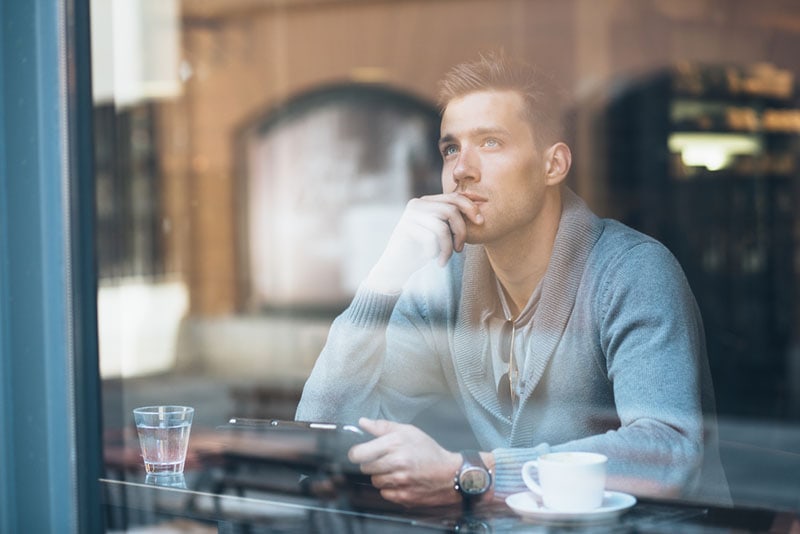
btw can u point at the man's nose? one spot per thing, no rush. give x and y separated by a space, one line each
466 168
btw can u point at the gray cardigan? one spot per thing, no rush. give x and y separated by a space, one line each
617 362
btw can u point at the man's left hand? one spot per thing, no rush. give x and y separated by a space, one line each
407 465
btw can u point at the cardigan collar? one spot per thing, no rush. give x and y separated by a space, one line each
578 231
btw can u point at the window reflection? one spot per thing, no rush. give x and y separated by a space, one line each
327 177
713 176
228 236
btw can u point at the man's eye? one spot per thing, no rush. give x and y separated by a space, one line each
449 150
491 142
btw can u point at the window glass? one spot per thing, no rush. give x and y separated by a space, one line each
332 170
253 156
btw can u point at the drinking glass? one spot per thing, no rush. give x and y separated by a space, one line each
163 437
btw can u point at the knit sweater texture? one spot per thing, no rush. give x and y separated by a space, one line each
616 363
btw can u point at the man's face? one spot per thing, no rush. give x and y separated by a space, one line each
490 155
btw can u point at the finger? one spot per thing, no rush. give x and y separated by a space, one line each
453 218
467 207
369 453
366 453
377 427
456 209
458 232
392 495
445 225
446 249
428 222
379 462
385 480
381 481
428 233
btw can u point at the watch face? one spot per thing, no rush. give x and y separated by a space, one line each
474 480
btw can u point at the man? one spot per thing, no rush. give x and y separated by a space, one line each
552 329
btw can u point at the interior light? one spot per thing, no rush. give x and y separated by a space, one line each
712 158
713 151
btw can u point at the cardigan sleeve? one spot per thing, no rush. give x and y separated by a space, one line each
379 361
652 336
342 383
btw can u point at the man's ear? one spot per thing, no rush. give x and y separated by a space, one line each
558 160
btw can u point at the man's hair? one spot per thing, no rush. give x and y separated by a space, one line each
543 99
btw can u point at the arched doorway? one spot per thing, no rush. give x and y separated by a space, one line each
327 174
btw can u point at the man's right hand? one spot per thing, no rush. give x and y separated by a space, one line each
431 226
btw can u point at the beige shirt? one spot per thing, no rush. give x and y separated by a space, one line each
500 327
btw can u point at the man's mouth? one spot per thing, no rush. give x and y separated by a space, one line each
474 197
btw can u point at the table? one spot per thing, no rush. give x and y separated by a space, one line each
232 489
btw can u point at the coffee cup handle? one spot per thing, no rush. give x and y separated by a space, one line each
529 481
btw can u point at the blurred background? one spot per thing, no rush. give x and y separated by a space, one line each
252 157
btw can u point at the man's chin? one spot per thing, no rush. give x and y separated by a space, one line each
478 234
475 239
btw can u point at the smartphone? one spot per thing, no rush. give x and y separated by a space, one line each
330 441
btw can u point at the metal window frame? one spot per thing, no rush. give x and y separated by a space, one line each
50 452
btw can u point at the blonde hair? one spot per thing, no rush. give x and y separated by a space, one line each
543 99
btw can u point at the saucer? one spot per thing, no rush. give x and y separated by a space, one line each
527 505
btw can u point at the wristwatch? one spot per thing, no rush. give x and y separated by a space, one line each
473 479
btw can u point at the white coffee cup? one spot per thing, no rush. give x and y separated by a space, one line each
568 481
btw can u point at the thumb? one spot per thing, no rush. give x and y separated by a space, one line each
377 427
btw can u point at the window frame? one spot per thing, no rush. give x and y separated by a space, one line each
51 461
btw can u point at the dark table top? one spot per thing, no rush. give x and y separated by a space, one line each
228 489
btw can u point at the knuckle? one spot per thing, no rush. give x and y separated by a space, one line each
451 210
415 203
404 497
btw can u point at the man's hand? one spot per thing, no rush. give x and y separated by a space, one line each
430 226
407 465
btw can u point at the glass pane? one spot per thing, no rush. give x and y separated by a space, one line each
331 170
254 156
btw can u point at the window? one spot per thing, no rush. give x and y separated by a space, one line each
130 237
327 177
253 156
